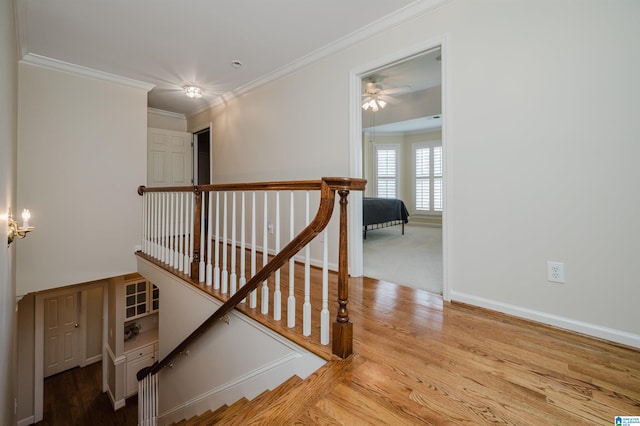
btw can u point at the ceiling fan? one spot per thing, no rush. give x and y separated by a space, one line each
375 97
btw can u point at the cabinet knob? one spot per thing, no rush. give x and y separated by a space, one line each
76 325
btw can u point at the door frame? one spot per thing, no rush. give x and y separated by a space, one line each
38 351
194 153
355 151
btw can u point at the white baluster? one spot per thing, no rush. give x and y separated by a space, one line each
291 300
324 313
191 224
181 242
209 279
171 229
233 277
201 265
165 232
144 223
167 235
161 227
243 279
277 295
253 298
176 233
154 221
306 306
265 255
225 273
216 269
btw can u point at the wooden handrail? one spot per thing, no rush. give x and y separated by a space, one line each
342 343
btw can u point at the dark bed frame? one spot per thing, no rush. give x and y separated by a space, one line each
383 212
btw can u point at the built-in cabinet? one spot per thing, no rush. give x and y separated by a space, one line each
138 358
141 298
134 303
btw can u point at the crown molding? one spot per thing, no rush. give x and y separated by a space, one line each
411 11
55 64
164 113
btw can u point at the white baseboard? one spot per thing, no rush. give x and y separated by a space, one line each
594 330
25 422
116 404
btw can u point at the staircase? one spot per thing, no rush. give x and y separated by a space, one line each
242 411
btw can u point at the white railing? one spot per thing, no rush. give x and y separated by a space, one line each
186 229
169 232
148 401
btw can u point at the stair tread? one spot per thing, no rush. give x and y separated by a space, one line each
243 409
286 408
202 418
223 413
263 400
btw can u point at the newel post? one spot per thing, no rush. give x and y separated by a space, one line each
342 344
197 211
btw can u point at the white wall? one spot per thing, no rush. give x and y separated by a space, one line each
81 157
166 120
542 133
8 139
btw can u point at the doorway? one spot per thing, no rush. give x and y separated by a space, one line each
61 333
202 157
370 130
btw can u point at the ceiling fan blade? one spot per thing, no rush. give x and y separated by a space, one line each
396 90
388 99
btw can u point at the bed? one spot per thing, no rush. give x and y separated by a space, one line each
383 212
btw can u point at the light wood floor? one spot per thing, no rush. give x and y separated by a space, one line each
419 360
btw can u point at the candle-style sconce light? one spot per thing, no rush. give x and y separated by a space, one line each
16 231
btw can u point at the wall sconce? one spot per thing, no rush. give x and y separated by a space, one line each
16 231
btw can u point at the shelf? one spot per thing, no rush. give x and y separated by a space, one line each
142 339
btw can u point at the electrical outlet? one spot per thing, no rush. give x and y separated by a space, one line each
270 227
555 272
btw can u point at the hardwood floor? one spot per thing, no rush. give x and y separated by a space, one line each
75 398
419 360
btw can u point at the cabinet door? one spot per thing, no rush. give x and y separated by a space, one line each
155 298
132 369
136 299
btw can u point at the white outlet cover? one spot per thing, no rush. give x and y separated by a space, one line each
555 272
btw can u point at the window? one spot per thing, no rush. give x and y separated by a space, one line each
387 171
428 177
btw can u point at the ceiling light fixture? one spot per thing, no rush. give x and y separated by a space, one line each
375 104
374 97
193 91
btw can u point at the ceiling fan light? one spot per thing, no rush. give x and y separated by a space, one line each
193 91
382 103
365 106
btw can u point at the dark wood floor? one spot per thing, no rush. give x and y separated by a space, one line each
419 360
75 398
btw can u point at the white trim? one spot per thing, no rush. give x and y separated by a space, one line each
114 359
411 11
355 149
25 422
116 404
38 344
55 64
164 113
593 330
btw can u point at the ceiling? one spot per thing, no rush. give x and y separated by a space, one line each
171 44
418 73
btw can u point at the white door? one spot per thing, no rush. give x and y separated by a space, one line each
168 158
61 333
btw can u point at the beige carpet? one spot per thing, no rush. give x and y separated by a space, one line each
413 259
